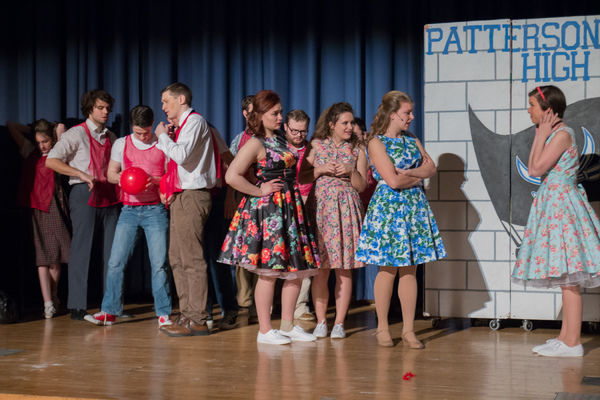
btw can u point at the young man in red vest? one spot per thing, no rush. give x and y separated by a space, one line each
83 153
142 210
191 173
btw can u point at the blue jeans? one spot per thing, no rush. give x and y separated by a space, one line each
154 221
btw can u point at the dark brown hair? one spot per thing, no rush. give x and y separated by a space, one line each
88 101
246 101
553 98
177 89
44 127
263 101
298 116
141 116
331 116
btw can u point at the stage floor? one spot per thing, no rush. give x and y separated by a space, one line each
132 360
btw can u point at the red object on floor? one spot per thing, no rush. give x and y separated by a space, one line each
407 376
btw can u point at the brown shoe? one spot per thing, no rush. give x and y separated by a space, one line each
186 327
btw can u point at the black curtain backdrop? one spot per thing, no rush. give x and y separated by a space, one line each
313 53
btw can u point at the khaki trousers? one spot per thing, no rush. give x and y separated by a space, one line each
189 212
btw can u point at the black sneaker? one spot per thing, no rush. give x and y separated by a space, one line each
229 321
78 314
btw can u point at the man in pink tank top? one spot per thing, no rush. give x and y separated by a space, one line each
142 210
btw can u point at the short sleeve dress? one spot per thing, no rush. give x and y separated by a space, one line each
335 207
399 228
270 235
561 245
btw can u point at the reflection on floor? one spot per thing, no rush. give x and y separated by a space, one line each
133 360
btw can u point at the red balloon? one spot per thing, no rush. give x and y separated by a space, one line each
134 180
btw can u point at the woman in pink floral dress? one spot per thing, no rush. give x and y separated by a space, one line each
561 245
339 165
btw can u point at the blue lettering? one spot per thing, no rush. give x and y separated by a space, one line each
534 36
584 65
535 66
453 39
556 78
549 36
472 28
565 26
491 28
431 39
546 64
510 40
587 31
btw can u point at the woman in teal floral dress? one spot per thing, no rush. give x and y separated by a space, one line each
399 231
561 245
269 234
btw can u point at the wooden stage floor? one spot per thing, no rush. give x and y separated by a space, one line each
60 358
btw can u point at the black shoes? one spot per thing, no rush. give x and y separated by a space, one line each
229 321
78 314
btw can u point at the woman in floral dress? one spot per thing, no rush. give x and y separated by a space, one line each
338 163
399 231
269 234
561 245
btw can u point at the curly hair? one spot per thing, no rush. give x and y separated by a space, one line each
552 98
262 102
329 117
88 101
390 103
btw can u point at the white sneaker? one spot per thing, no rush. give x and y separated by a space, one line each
49 310
298 334
559 349
272 337
321 329
541 346
338 332
164 320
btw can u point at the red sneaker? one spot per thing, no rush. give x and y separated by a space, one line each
101 318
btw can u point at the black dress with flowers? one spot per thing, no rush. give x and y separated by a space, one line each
271 235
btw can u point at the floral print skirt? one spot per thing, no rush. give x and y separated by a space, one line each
271 236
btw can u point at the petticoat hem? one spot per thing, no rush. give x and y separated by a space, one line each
279 273
581 279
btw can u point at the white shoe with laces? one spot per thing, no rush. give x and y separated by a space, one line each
559 349
297 334
338 332
273 337
164 320
321 329
49 310
541 346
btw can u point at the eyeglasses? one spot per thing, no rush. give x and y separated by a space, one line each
296 132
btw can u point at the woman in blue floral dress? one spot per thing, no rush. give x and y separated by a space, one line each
399 231
561 244
269 234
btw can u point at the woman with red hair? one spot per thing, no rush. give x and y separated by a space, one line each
269 233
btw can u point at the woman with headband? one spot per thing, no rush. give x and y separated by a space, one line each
561 245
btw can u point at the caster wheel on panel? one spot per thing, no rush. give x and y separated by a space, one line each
527 325
435 322
495 324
